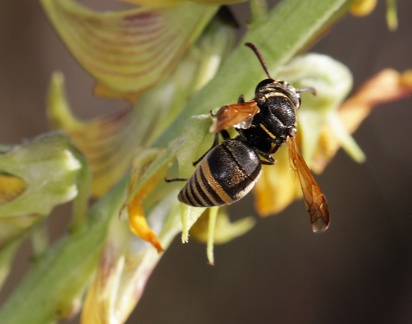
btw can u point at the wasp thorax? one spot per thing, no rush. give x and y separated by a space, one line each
260 99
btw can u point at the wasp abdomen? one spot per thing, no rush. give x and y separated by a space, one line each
226 174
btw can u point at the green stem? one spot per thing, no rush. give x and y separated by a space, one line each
259 9
40 238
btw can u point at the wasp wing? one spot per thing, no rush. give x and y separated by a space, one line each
239 115
315 201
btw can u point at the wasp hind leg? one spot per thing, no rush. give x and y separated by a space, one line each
225 136
176 179
267 159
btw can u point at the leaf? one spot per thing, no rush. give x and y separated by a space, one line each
128 51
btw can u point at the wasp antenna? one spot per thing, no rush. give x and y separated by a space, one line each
260 58
308 89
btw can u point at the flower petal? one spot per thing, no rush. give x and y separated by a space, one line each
109 142
131 50
225 230
45 172
386 86
214 226
137 220
11 187
276 188
332 81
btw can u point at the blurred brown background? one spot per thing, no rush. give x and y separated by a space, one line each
359 271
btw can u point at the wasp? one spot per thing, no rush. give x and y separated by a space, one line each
229 170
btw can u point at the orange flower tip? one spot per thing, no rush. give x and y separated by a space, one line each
406 78
319 226
158 248
361 8
152 238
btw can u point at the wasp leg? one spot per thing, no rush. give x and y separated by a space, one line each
215 143
225 136
241 99
267 159
176 179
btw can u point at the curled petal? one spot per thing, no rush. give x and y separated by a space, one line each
332 81
141 184
386 86
108 142
131 50
138 223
